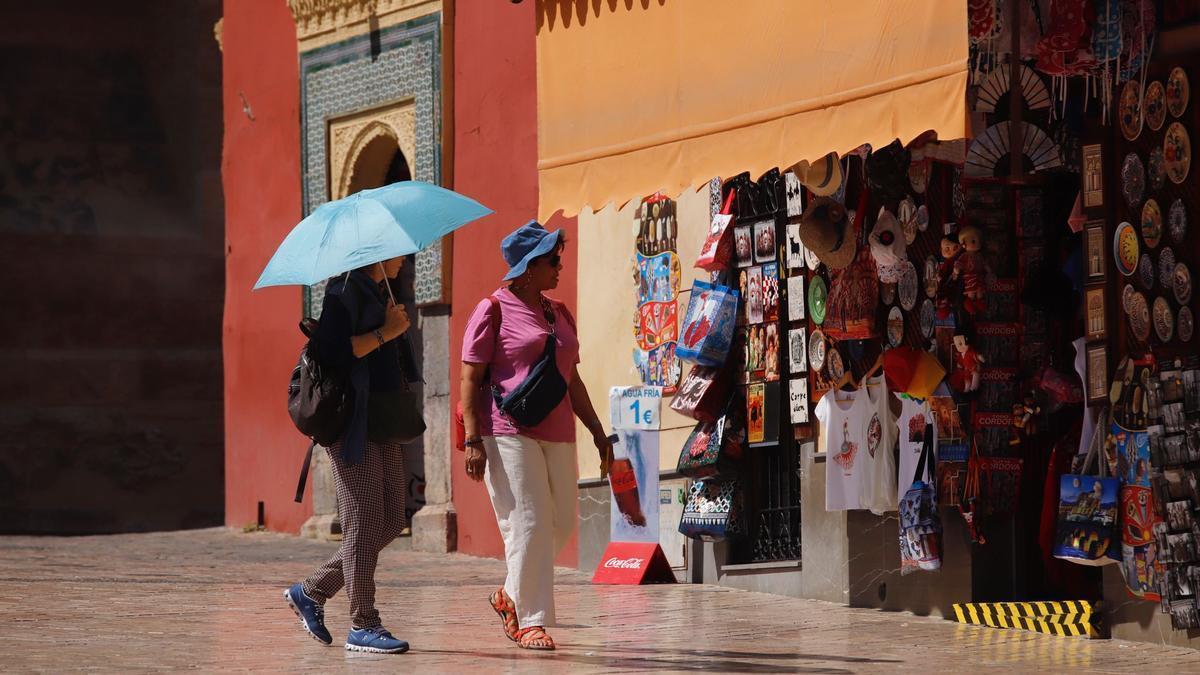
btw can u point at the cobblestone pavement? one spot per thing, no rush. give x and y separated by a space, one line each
212 600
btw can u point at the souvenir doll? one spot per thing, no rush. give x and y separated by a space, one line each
970 269
951 250
967 364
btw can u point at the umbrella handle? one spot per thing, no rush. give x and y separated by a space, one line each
386 285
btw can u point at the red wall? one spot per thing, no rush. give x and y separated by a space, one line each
495 161
261 176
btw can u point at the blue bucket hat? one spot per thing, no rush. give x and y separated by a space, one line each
529 241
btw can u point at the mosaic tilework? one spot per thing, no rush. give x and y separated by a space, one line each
345 78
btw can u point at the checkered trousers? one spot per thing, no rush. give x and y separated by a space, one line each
370 499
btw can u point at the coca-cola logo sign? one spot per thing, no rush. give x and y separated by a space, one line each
624 563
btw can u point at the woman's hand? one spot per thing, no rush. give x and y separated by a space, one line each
476 462
605 448
395 323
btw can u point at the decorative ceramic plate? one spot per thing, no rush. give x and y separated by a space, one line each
906 214
1185 324
1181 284
895 327
816 350
887 293
1177 92
927 318
1177 151
1164 320
1133 180
1166 267
1129 110
1126 297
922 218
834 365
1156 169
1139 316
918 176
811 259
931 277
1145 273
1125 249
1156 105
817 294
907 288
1152 229
1177 221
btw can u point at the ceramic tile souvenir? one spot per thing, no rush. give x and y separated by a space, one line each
1177 221
798 400
1133 180
834 365
1177 151
1166 267
795 194
1177 92
887 293
1125 249
771 357
1156 105
1152 229
797 351
931 277
907 287
764 241
795 248
743 246
927 318
1164 320
770 291
754 295
1156 169
1145 273
1185 324
1138 311
816 351
895 327
1181 284
817 294
796 297
1129 110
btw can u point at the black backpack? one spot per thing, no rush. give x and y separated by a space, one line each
320 400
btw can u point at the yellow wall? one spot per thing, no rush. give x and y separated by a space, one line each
608 302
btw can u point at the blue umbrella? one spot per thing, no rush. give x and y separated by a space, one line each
367 227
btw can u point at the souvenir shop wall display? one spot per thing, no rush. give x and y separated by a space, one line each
657 276
1087 532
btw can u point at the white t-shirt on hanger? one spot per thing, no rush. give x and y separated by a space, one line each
879 491
843 417
915 416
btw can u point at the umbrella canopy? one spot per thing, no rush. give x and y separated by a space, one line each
367 227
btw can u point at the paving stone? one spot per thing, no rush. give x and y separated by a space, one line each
211 600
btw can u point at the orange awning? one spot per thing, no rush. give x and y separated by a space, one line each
641 96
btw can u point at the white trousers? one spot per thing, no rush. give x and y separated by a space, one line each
534 489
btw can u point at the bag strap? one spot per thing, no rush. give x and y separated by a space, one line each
304 472
925 464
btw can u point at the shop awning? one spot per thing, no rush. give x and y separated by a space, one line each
640 96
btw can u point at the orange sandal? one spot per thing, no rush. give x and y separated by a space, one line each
535 637
507 611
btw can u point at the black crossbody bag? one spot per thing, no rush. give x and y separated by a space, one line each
530 402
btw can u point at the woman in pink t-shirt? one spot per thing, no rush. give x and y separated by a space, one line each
530 473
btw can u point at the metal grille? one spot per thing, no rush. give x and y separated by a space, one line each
772 500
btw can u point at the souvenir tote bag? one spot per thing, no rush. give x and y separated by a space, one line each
717 252
1087 531
713 510
715 448
704 393
708 325
920 524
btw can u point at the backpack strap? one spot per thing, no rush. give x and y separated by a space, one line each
304 472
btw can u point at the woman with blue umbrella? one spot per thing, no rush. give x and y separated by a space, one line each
360 242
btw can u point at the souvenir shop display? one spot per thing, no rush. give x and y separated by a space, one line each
1129 112
1125 249
717 251
816 300
794 251
970 269
797 351
1177 221
1166 268
1156 169
657 275
713 510
1133 180
920 523
1178 92
703 393
714 449
1156 105
1087 532
817 351
798 400
1152 224
1177 152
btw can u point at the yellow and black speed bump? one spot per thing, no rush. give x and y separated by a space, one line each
1070 618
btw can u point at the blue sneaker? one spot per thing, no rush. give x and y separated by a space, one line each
311 613
376 640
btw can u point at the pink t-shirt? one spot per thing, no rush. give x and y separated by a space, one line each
523 334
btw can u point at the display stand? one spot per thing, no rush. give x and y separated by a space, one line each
633 563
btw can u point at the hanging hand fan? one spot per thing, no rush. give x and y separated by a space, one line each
1033 90
992 146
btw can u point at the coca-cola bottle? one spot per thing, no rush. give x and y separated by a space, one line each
625 491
